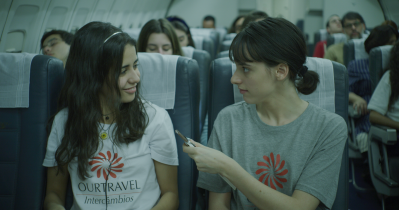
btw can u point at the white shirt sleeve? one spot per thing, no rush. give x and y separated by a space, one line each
380 98
54 139
163 142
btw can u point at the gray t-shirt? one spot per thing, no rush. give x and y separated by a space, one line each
302 155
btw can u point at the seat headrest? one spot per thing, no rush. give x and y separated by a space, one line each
339 38
360 50
15 79
188 51
323 96
134 33
202 31
158 78
323 34
230 36
385 55
198 40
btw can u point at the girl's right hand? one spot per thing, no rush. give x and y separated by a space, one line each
360 105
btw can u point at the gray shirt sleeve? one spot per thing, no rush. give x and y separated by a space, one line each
320 175
213 182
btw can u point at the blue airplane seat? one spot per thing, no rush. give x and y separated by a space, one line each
354 50
222 95
336 39
23 134
223 54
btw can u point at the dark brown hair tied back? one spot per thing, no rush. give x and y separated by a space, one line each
274 41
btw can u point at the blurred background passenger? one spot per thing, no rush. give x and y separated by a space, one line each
354 28
360 89
56 43
182 31
158 36
236 25
254 16
209 22
333 26
384 104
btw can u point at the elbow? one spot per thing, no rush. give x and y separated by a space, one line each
372 117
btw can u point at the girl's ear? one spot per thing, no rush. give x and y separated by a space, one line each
282 71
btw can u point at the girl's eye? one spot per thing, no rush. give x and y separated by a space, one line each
246 70
136 66
166 49
152 49
123 71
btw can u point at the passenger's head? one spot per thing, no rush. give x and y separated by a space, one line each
379 36
182 31
254 16
56 43
237 24
270 54
353 25
158 36
105 60
391 23
334 25
209 22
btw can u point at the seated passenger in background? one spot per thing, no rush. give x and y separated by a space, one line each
236 26
104 135
209 22
354 28
158 36
182 31
56 43
384 104
333 26
254 16
280 151
360 88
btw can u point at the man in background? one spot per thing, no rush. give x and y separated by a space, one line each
208 22
333 26
354 27
56 43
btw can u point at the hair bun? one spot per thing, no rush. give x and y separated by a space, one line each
302 71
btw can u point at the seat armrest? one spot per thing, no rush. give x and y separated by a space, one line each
353 113
385 179
383 134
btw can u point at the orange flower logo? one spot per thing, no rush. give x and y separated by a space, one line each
104 164
273 171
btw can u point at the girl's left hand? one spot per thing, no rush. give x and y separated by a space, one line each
207 159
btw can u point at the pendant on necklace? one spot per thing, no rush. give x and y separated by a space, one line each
103 135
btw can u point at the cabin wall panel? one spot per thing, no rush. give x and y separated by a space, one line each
4 8
23 24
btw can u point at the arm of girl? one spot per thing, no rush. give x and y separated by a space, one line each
212 161
56 188
380 119
167 179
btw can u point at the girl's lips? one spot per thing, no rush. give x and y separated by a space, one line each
243 91
130 90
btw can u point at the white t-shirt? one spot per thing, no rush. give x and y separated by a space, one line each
132 182
380 99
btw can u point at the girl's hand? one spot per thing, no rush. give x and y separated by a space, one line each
207 159
361 106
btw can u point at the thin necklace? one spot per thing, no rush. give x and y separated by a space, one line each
106 115
104 133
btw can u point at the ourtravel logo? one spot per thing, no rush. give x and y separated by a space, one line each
104 165
272 169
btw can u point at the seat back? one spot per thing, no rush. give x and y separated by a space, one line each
209 33
354 50
336 39
223 54
204 43
204 61
230 36
320 35
184 117
226 45
23 132
378 62
222 95
134 33
222 33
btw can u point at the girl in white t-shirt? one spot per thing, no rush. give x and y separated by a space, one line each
384 103
118 150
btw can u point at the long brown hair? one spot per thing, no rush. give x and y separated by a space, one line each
159 26
91 65
394 75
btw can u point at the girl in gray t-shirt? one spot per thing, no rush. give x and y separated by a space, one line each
280 151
